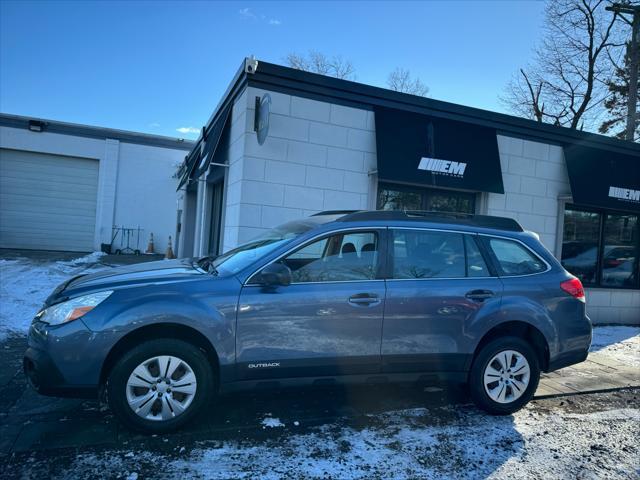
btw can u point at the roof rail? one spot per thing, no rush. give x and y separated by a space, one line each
486 221
335 212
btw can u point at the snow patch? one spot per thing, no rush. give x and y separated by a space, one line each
26 283
619 343
418 444
272 422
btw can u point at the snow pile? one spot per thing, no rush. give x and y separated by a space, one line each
620 343
25 284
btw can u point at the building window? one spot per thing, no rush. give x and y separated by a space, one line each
601 248
400 197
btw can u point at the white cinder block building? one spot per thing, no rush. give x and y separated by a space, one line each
64 186
283 144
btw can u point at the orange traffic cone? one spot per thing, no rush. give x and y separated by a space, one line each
169 255
150 245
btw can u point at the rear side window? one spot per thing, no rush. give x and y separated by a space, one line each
515 259
427 254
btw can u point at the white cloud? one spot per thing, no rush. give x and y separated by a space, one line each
190 130
247 13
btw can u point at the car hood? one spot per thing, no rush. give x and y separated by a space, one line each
130 275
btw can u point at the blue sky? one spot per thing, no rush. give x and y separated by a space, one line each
160 66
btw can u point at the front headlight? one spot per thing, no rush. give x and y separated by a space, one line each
72 309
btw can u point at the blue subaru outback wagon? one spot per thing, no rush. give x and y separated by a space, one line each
339 297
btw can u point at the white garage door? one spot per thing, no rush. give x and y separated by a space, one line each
47 202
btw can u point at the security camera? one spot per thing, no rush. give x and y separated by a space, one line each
250 65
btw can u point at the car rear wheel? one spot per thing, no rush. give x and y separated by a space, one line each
504 375
160 385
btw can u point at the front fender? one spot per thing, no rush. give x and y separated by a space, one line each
206 306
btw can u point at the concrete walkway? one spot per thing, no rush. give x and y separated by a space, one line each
598 373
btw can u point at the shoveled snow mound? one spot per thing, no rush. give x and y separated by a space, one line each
420 443
619 343
25 284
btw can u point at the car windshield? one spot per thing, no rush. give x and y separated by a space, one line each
240 257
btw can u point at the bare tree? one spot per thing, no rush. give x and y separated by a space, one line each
566 84
318 62
401 80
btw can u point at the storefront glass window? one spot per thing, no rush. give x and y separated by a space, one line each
397 197
580 244
602 248
389 199
620 251
449 202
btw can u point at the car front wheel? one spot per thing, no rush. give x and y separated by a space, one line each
160 385
504 375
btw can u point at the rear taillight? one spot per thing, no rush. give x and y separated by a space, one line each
574 288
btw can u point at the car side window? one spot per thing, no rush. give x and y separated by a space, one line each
515 259
341 257
427 254
476 266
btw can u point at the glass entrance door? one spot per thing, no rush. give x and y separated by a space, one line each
215 225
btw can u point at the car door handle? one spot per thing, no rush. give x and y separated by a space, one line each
479 295
364 299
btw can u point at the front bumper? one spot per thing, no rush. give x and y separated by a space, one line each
61 361
45 377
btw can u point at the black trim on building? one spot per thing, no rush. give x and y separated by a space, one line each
320 87
88 131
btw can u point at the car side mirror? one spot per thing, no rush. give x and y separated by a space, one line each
275 274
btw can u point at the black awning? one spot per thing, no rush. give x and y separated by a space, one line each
603 178
212 140
199 159
420 149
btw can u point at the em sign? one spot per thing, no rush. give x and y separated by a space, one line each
626 194
446 167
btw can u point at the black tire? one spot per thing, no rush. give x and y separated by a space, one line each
476 376
117 384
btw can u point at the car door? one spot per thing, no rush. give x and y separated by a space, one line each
439 284
328 321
